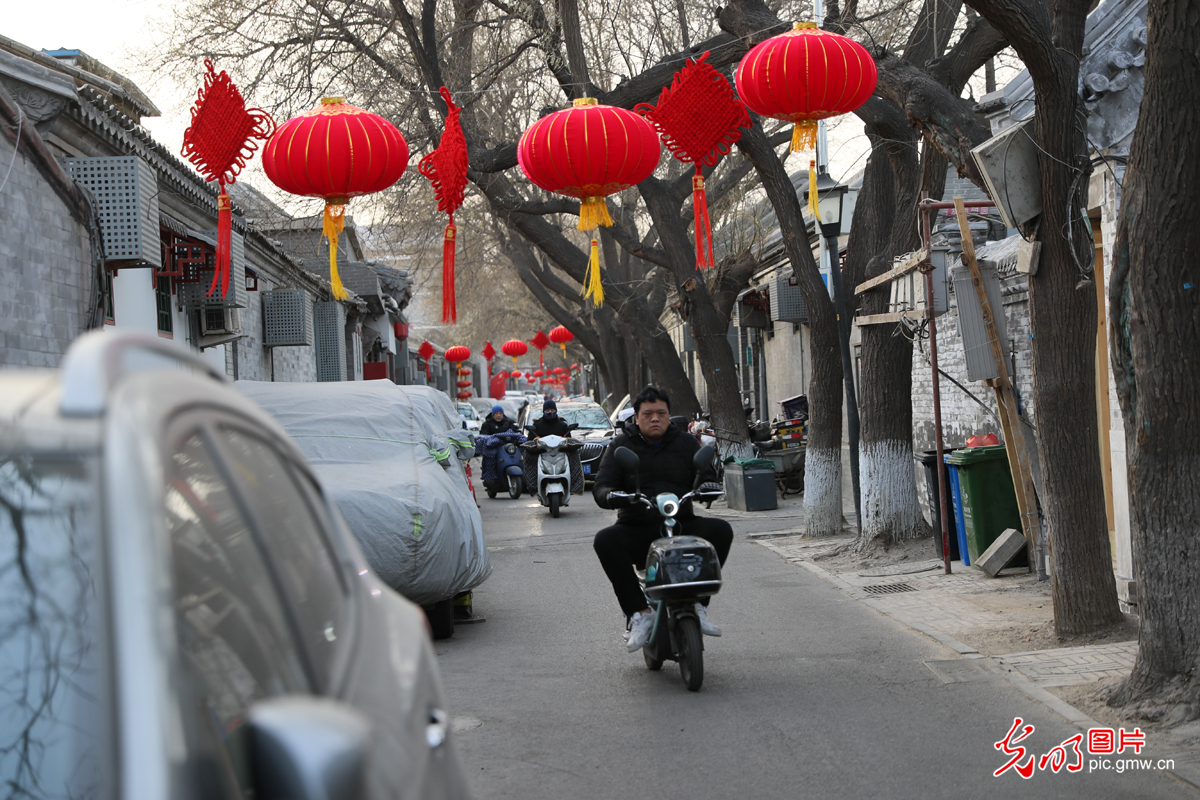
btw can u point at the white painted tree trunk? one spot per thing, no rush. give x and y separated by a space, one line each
888 486
823 491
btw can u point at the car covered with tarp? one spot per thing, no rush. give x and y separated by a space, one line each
392 458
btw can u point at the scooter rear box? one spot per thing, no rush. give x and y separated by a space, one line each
682 567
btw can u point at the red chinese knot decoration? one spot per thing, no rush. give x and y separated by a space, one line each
219 141
589 151
560 336
446 169
426 352
335 151
540 341
806 75
699 118
489 353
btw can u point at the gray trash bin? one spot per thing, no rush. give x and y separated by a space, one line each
750 489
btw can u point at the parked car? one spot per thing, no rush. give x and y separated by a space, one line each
473 420
184 608
594 430
392 458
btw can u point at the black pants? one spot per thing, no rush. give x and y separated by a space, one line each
621 546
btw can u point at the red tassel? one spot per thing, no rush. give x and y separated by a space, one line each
704 252
449 309
224 244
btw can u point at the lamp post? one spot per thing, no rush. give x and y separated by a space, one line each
831 197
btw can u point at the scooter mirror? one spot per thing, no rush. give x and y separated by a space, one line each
627 459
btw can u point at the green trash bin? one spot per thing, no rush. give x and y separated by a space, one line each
989 501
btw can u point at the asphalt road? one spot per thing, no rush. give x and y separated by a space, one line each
807 694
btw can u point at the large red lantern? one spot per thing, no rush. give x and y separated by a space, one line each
806 75
514 348
560 336
457 354
335 152
589 151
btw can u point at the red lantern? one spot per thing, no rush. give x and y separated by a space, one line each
426 352
805 75
514 348
574 366
458 354
587 152
464 384
335 152
560 336
559 370
463 395
537 373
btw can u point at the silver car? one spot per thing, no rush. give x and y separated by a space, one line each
182 612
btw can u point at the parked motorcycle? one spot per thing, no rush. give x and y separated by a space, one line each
553 484
502 469
680 571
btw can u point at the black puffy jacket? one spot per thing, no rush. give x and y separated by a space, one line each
547 426
490 427
665 467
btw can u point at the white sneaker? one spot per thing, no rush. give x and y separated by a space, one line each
639 630
706 627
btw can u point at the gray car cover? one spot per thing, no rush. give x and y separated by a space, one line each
391 458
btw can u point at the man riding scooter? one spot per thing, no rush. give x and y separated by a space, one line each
550 423
665 464
497 422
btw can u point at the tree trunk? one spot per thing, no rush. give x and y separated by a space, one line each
823 460
1062 318
712 345
890 509
1156 361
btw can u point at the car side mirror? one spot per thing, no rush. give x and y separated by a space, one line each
308 748
702 460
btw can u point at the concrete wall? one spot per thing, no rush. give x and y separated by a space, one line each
786 355
45 274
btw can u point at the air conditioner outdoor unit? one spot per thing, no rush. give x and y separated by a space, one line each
216 321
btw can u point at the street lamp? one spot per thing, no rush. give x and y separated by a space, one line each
831 197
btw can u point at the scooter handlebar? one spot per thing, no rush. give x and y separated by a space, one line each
641 498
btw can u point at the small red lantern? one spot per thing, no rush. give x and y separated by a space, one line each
537 373
464 384
463 395
587 152
335 152
514 348
426 352
574 366
559 370
805 75
560 336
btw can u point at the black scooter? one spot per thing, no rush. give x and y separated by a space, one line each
680 571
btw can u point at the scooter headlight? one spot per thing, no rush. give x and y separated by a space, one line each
668 504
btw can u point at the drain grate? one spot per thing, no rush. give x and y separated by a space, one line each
888 588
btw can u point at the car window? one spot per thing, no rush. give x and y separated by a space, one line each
296 542
55 722
586 417
234 641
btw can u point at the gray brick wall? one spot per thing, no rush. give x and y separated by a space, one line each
45 277
294 364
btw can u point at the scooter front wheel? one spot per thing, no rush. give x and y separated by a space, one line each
652 663
553 501
514 487
691 653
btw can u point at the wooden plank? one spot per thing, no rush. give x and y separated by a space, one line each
914 261
891 317
1010 421
1102 404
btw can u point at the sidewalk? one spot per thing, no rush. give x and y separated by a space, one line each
980 619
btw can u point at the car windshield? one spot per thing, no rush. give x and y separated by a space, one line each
54 724
467 411
586 417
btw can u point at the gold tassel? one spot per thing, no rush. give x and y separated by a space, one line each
593 212
804 136
332 227
812 192
591 281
